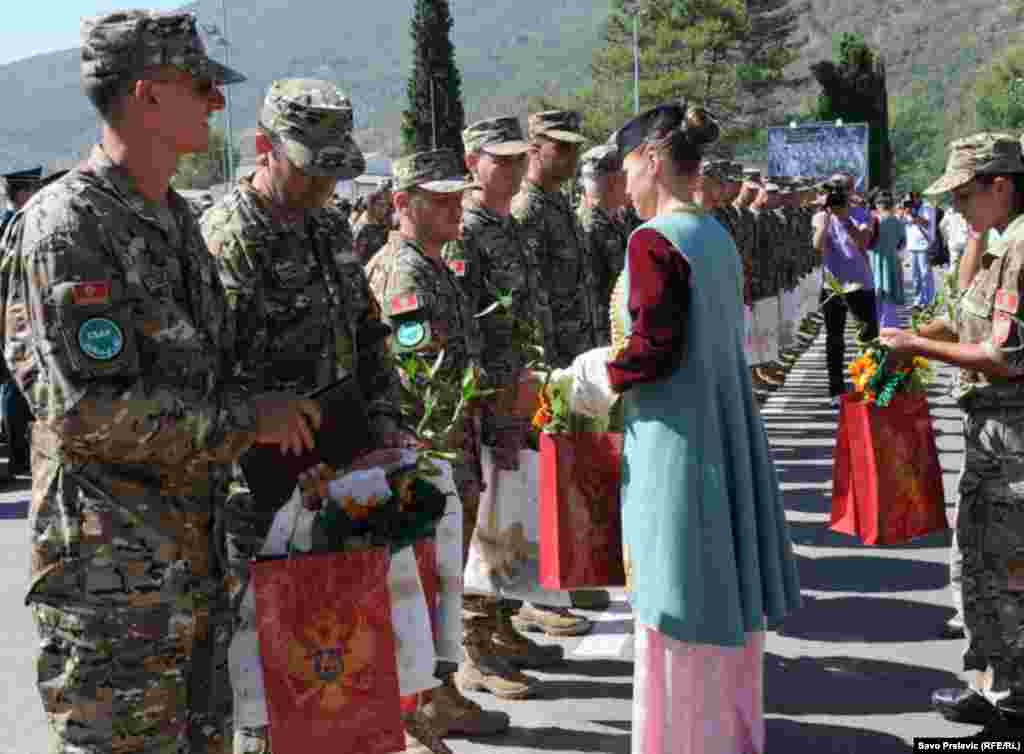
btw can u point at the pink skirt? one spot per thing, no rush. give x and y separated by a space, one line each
697 698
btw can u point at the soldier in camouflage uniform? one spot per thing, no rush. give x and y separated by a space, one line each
489 260
985 174
552 235
428 313
605 231
373 229
116 330
305 314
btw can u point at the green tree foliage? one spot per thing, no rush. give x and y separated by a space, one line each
999 92
853 88
918 135
204 169
435 86
688 49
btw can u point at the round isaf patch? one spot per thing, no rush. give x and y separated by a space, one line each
411 334
100 338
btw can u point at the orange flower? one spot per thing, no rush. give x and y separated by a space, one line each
544 415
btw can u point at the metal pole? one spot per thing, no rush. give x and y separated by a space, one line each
636 61
433 116
228 158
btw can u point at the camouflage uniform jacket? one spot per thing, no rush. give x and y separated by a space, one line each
991 313
427 312
369 239
301 299
552 235
606 237
117 333
766 254
488 261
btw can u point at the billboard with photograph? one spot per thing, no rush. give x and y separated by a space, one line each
819 150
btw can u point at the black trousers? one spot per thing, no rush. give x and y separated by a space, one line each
16 418
861 304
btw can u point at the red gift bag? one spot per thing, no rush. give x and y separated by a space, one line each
886 479
580 516
328 652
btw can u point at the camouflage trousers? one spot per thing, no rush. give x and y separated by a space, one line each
125 681
990 535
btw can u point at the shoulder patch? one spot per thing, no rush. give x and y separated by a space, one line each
100 338
1007 301
91 293
411 335
405 303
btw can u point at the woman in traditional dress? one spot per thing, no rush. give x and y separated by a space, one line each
702 512
889 240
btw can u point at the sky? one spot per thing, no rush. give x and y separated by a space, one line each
30 27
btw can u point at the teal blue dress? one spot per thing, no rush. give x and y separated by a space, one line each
885 260
702 511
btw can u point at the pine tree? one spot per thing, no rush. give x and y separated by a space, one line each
768 47
434 90
687 50
854 89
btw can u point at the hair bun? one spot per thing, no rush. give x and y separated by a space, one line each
700 127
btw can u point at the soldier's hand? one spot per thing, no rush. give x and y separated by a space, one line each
287 421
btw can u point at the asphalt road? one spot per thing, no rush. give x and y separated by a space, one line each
850 673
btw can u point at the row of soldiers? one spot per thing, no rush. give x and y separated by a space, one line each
154 350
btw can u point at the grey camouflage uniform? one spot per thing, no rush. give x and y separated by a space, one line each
552 235
116 331
421 299
304 312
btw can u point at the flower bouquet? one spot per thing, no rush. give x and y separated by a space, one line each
887 482
342 625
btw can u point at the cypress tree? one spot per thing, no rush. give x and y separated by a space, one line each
854 89
433 68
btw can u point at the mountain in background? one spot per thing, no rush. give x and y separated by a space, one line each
506 52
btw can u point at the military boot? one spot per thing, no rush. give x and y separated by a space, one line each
451 714
519 651
421 737
554 621
483 670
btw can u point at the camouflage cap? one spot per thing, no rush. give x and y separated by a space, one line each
980 154
312 120
497 136
603 159
129 41
560 125
439 171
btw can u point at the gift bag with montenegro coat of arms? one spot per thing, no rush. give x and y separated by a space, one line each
328 654
886 480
